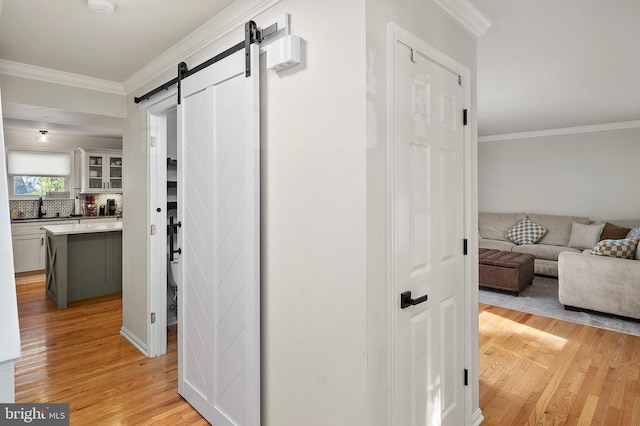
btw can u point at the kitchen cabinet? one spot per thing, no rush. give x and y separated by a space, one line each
29 251
83 260
101 172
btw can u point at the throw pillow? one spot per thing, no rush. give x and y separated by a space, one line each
614 232
585 236
625 249
633 234
526 232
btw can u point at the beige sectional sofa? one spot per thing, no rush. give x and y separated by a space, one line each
585 281
599 283
493 228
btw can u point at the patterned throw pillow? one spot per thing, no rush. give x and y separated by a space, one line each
625 249
634 234
526 232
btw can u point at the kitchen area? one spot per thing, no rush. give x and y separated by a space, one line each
72 234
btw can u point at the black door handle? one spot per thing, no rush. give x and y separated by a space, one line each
406 300
172 229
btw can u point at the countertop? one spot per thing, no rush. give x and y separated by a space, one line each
83 228
56 219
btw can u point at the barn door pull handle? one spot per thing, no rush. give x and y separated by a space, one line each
406 300
172 229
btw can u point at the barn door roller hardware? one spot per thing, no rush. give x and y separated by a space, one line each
252 34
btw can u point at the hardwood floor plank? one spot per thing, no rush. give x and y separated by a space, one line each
77 355
536 370
586 417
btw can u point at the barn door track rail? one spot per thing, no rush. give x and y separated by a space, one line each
252 34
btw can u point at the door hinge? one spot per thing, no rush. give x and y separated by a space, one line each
153 230
465 246
152 139
464 117
466 377
153 317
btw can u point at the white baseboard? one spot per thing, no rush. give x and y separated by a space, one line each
477 418
7 382
133 339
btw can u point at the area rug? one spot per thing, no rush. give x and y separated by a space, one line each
541 298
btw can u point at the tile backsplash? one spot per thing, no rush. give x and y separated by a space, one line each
52 207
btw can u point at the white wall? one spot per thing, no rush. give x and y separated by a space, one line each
9 327
314 327
588 174
323 203
429 23
314 223
135 247
25 91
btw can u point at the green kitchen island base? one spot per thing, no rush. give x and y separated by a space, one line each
80 265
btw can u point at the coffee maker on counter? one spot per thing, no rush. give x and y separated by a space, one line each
111 207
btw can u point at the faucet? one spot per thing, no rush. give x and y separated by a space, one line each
41 212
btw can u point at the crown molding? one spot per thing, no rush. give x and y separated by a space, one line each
33 72
466 14
230 19
561 131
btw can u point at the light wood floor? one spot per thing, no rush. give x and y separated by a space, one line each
77 356
533 370
541 371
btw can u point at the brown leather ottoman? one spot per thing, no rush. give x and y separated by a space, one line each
504 270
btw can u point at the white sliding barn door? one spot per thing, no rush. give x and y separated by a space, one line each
219 205
428 233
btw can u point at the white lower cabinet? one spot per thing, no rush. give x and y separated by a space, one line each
29 252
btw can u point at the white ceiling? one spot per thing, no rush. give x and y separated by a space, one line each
65 35
543 64
549 64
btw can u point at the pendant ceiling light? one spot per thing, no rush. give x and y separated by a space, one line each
43 136
103 6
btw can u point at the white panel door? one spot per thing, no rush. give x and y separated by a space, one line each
219 300
428 239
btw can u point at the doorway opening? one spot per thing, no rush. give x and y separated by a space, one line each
173 251
164 254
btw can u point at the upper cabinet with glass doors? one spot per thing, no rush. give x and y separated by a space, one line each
102 172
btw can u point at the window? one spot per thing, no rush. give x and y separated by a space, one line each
37 185
34 173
